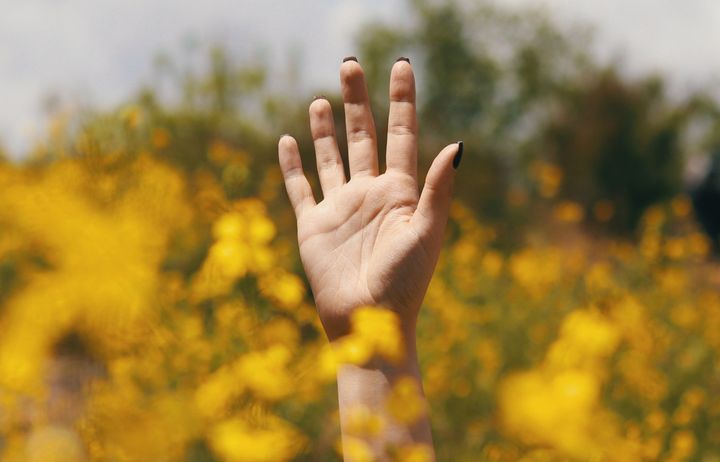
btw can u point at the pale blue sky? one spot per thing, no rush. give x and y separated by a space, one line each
98 51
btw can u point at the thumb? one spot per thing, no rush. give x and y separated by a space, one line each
431 214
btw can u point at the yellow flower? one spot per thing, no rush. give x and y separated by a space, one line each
405 401
214 395
356 450
492 263
681 206
375 331
538 270
54 444
280 331
353 349
675 248
230 257
575 392
327 363
265 372
219 153
362 422
160 138
415 453
685 315
599 278
683 444
549 178
261 229
551 410
653 217
699 244
590 332
569 212
132 116
284 288
237 441
380 327
229 226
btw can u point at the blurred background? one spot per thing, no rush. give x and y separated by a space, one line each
152 304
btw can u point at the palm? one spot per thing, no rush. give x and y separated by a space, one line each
357 243
373 239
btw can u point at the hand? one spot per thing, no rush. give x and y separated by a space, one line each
372 240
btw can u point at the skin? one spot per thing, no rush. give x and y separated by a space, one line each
373 239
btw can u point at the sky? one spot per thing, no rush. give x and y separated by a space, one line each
98 52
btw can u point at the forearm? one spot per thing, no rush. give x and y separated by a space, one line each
373 387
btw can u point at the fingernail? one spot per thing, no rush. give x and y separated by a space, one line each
458 155
350 58
319 97
403 58
284 135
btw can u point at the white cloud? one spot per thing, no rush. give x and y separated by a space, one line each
100 51
679 39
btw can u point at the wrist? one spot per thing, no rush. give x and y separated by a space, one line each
358 356
390 392
337 320
377 337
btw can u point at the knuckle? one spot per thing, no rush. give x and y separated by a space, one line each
359 134
401 129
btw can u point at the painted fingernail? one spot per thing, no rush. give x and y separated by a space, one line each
319 97
350 58
403 58
458 155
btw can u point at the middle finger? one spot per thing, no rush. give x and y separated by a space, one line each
362 140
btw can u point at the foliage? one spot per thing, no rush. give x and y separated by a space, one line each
519 89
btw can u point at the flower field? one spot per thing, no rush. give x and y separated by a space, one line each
153 312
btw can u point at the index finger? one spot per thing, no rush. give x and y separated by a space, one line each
402 121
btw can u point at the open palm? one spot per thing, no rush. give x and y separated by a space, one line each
373 239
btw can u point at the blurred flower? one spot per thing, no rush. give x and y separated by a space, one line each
54 444
132 115
549 178
172 279
415 453
568 212
364 423
265 373
405 402
375 331
356 450
681 206
273 440
492 263
284 288
537 270
160 138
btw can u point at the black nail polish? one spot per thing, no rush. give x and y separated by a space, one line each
403 58
350 58
458 156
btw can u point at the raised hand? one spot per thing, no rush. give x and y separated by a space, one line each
373 239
